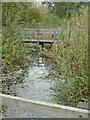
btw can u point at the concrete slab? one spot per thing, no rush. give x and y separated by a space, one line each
44 108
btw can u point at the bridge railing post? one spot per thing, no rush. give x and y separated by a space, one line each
38 36
55 35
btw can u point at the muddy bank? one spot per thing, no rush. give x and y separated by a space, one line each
9 77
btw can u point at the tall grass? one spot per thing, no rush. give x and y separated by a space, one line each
71 55
12 47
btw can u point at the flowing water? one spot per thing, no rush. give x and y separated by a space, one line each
36 84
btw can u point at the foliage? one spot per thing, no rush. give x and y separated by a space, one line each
71 54
13 15
12 49
63 9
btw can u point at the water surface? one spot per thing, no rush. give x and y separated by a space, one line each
36 84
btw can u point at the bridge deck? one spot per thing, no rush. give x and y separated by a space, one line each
40 41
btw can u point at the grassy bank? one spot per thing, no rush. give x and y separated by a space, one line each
70 53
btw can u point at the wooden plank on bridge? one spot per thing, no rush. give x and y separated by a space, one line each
35 29
35 40
48 109
41 32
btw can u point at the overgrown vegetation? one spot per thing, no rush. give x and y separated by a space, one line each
71 55
69 52
14 14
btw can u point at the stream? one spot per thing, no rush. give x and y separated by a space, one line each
36 84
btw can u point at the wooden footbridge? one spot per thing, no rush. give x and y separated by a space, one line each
40 36
49 109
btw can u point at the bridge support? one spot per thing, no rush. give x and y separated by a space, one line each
42 45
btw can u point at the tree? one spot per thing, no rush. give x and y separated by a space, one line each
64 9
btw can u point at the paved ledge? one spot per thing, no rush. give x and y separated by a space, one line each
83 105
44 108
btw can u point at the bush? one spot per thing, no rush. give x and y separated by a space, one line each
71 55
12 48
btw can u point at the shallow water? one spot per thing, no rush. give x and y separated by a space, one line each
36 84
